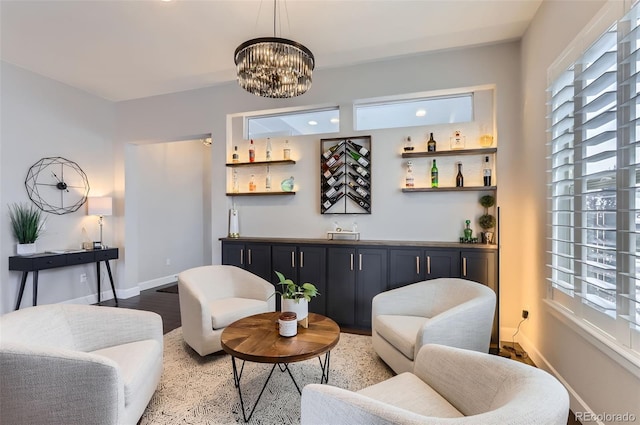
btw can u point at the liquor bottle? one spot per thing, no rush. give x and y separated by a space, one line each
358 169
409 180
252 152
267 180
331 201
361 159
333 191
486 171
334 178
359 148
408 144
431 144
332 160
359 190
286 151
234 157
362 182
468 232
329 152
434 175
235 187
328 171
459 178
252 183
457 140
268 152
358 200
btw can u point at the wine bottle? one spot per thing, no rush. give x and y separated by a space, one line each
268 152
359 148
358 200
358 169
333 191
331 201
267 180
361 159
252 152
359 190
234 157
362 182
328 171
327 154
286 151
332 160
334 178
459 178
486 171
409 180
434 175
252 183
431 144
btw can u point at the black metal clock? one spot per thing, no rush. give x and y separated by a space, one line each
57 185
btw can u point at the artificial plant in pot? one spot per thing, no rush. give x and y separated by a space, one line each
295 297
26 225
487 221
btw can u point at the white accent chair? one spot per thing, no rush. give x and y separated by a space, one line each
78 364
448 311
213 297
448 386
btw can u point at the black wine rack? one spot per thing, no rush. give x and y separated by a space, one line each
345 175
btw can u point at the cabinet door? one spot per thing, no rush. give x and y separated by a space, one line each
371 265
257 260
283 259
479 266
441 263
233 254
312 267
341 285
406 266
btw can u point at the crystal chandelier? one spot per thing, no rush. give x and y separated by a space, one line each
274 67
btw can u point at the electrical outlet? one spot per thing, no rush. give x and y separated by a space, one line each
525 314
167 262
83 278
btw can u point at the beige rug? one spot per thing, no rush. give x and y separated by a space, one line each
197 390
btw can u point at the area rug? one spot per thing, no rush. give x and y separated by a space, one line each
200 390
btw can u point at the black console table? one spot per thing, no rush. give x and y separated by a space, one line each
35 263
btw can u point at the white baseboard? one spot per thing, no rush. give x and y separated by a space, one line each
123 293
154 283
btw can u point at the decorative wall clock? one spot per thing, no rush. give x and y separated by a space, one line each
57 185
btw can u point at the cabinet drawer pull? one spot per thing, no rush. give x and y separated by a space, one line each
428 264
351 255
293 259
301 259
242 256
417 265
464 266
249 255
359 261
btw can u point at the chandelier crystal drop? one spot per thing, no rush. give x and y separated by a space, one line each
274 67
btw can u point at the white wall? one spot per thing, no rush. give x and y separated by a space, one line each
596 381
43 118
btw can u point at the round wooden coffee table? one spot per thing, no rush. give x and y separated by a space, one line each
256 339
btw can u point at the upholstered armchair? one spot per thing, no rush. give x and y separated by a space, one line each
212 297
449 386
78 364
454 312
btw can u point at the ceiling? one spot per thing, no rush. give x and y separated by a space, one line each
122 50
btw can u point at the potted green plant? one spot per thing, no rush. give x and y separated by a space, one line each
295 297
26 225
487 221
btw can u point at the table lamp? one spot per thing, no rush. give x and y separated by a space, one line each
100 206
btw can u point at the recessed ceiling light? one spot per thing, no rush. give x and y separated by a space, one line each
421 113
334 120
313 122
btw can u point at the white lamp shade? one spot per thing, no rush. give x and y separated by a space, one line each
100 205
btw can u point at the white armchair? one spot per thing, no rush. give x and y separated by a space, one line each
449 386
78 364
212 297
448 311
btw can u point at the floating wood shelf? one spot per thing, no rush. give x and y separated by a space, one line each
450 189
257 163
260 193
421 154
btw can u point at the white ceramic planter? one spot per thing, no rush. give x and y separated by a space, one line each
300 307
26 248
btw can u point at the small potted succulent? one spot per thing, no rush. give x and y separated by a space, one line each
487 221
295 297
26 226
